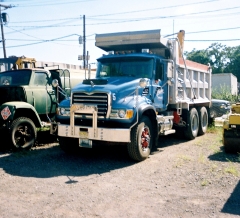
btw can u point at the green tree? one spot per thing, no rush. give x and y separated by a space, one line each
233 64
200 56
222 59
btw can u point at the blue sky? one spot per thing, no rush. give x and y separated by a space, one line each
48 30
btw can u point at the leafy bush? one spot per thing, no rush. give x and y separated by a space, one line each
224 93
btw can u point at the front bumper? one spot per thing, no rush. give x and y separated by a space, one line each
94 133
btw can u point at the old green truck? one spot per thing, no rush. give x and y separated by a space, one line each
28 101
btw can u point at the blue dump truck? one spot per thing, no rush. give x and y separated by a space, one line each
143 88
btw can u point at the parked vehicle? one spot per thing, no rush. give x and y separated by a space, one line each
231 130
219 108
28 101
143 88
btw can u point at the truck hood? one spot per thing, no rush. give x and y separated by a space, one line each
12 93
123 85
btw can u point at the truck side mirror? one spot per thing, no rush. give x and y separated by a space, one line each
169 70
55 83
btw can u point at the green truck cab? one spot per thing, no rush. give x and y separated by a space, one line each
28 101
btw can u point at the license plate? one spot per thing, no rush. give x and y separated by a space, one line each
83 134
86 143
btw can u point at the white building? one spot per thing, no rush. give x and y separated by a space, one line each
225 80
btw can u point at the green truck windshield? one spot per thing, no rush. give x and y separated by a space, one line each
15 78
120 67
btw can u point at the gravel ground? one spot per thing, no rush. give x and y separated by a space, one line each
182 179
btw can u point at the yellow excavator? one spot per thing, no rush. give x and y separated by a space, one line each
14 62
231 130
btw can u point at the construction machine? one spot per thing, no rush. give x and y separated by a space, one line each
15 63
231 130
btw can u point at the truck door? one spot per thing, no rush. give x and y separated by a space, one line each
160 91
43 94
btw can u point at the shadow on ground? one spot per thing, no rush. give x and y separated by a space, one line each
45 162
232 205
225 157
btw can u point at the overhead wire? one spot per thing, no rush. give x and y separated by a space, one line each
126 12
59 3
128 20
43 41
133 19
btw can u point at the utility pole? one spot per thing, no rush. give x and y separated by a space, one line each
84 44
1 23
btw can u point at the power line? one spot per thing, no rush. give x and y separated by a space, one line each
165 17
212 40
126 12
134 19
152 9
47 4
40 21
43 41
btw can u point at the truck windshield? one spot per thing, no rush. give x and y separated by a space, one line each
122 67
15 78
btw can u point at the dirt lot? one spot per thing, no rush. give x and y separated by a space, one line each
182 179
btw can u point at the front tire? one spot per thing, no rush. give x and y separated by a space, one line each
231 141
192 124
23 133
203 121
141 142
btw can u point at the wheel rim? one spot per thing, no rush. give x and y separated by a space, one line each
145 139
204 120
195 123
23 135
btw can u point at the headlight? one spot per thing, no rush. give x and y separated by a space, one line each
64 111
121 113
223 106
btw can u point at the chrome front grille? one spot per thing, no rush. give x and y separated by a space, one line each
98 99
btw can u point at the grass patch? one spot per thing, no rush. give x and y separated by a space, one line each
214 129
45 128
182 159
204 182
231 169
213 167
198 142
202 158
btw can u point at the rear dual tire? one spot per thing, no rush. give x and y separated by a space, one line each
192 124
203 121
197 123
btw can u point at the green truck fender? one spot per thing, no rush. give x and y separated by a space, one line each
12 110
